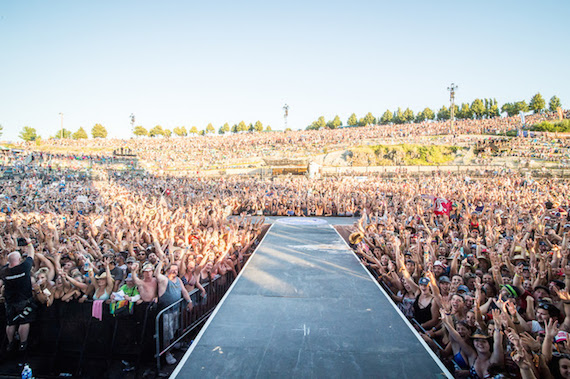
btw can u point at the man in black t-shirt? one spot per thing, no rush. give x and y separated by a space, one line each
18 294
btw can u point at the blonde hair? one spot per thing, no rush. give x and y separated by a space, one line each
41 270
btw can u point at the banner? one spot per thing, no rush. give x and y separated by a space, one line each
442 206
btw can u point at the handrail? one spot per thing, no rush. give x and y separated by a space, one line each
199 313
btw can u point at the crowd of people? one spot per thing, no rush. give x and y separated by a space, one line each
480 266
473 261
148 241
243 149
539 147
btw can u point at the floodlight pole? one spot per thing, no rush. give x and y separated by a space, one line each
286 109
132 117
451 90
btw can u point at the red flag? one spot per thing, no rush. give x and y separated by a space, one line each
442 206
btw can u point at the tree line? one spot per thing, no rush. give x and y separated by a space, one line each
478 109
181 131
97 131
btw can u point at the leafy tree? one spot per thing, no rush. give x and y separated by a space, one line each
156 131
494 111
513 109
80 134
420 117
319 124
180 131
334 123
287 130
202 133
386 117
408 115
509 108
250 127
224 128
66 134
521 106
140 131
352 120
193 130
29 134
99 131
428 114
268 128
167 133
235 128
443 114
1 130
478 108
554 103
242 127
537 103
491 108
369 119
258 126
398 117
210 128
464 112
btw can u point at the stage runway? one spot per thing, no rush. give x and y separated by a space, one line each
305 307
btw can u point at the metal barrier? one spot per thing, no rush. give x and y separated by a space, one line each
175 322
67 338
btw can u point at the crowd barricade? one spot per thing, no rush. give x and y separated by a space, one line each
69 338
175 322
66 337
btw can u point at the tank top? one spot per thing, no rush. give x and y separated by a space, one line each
172 294
422 314
104 296
407 306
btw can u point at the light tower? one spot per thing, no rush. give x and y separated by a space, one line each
132 117
286 109
451 90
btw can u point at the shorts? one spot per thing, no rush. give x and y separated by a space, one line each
22 312
170 325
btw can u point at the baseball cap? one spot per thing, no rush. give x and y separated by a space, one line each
562 336
148 267
129 277
438 263
463 288
444 279
424 281
131 260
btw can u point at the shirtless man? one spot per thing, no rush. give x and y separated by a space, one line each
148 286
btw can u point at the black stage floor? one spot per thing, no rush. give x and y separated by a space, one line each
305 307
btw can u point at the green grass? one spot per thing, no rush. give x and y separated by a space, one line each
553 127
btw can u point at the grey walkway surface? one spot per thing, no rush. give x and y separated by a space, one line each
305 307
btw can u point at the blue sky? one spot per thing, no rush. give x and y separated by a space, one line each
187 63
